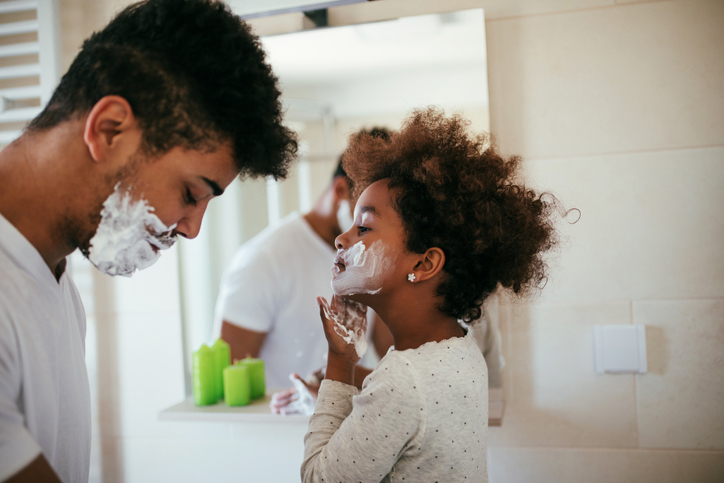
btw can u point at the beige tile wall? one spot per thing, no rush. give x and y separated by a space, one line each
617 110
681 399
530 465
647 229
629 78
553 397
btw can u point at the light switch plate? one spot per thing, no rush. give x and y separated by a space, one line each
620 349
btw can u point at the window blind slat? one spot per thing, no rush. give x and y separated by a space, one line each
19 49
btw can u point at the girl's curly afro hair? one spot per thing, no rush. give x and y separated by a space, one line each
455 192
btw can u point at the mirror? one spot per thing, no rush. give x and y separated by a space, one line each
335 81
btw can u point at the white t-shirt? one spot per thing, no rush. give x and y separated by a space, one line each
44 394
271 286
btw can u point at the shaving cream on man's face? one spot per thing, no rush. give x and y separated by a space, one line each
359 270
129 237
344 216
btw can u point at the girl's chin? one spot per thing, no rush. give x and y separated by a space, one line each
345 286
362 298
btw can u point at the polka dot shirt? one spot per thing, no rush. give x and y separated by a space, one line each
422 415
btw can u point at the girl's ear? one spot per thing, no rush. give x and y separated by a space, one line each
430 264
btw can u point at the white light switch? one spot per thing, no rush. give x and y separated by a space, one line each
620 348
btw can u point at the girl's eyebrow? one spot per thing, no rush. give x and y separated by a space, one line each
369 209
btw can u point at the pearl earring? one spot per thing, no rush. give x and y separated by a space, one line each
411 277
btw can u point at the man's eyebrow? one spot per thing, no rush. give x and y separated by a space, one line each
369 209
214 186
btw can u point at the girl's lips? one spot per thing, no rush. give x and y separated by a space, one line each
339 264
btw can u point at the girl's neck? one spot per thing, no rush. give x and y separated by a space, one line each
413 324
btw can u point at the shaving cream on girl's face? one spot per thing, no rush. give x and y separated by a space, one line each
360 270
129 236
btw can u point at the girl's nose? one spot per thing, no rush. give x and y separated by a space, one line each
341 241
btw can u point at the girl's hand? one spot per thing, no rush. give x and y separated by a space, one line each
345 324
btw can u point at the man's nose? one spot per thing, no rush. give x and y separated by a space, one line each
190 226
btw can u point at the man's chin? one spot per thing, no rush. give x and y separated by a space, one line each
112 269
125 264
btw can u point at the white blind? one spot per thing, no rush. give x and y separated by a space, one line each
29 61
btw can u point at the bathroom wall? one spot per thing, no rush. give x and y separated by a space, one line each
618 110
616 107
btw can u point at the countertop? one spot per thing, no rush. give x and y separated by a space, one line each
259 411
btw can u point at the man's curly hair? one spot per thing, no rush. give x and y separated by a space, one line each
455 192
194 75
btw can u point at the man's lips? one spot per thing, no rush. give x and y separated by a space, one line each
162 241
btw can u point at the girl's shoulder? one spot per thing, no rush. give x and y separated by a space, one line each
394 370
458 355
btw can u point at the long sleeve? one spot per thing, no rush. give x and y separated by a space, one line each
360 438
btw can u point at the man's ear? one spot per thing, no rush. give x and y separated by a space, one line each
109 123
430 264
340 186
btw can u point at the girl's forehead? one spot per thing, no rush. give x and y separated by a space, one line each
376 203
376 195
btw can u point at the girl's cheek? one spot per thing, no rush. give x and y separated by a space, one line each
365 272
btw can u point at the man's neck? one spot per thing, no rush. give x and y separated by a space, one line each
33 200
323 225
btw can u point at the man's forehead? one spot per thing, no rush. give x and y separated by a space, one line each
217 168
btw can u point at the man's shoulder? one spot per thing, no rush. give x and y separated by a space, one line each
14 281
16 295
24 292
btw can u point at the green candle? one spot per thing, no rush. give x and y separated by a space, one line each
204 389
222 359
237 388
256 376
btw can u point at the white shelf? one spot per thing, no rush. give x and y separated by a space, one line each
259 412
256 412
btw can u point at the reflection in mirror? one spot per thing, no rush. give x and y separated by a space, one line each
336 81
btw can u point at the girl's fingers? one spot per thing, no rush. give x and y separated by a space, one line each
322 302
324 309
325 313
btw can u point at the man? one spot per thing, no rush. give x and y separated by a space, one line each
267 302
159 112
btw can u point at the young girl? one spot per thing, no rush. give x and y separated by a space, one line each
440 222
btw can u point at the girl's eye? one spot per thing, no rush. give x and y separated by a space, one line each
362 229
189 198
